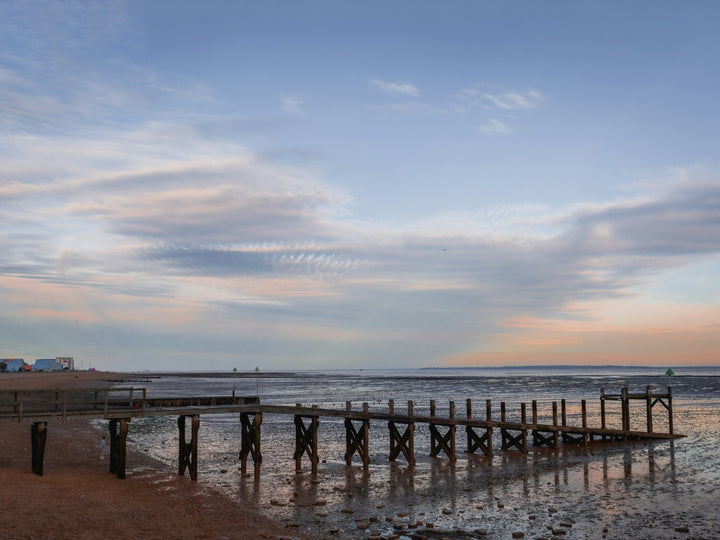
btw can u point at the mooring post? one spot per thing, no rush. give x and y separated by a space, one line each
583 408
502 411
523 415
554 413
432 407
648 409
563 412
602 409
468 408
38 438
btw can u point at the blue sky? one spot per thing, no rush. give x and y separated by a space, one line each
290 185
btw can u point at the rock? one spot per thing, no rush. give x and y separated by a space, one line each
379 506
223 471
501 505
446 511
559 532
334 531
347 511
319 503
402 514
429 525
518 534
274 502
566 525
682 529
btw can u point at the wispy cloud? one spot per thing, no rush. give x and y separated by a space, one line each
396 88
292 105
494 127
513 100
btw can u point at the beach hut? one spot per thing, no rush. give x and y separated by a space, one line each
47 364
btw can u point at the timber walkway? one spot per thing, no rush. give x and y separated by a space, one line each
120 405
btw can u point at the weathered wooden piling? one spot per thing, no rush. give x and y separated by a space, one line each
479 442
38 439
357 440
188 451
118 446
402 442
440 442
250 441
306 440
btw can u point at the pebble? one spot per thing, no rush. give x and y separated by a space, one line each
682 529
501 505
446 511
566 525
559 532
334 531
402 514
518 534
223 471
274 502
379 506
481 532
319 503
347 511
429 525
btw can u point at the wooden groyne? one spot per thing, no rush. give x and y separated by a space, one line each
119 406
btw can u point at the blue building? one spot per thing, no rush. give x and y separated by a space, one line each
47 364
13 364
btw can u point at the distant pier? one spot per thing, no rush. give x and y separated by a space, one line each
120 405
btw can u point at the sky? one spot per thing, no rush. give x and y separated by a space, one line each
342 185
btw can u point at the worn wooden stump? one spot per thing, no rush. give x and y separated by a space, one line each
118 446
38 438
188 451
250 441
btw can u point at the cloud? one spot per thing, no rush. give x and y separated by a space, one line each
292 105
396 88
513 100
494 127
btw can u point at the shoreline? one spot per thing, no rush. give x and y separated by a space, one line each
77 497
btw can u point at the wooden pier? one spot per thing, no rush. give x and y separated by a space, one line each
120 405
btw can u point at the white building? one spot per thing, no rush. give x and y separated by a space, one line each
67 362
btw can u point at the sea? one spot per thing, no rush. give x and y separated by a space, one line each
659 489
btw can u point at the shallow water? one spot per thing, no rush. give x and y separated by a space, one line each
620 490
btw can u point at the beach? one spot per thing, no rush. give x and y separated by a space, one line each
78 498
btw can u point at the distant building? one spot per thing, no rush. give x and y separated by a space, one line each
67 362
47 364
13 364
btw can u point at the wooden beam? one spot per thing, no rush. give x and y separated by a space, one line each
38 438
250 441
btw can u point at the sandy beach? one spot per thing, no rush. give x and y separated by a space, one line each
78 498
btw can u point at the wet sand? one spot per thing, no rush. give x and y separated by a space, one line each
78 498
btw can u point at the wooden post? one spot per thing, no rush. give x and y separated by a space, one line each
357 440
625 406
468 408
669 408
554 413
402 442
306 442
187 451
118 446
523 415
563 412
602 409
583 408
534 412
38 438
502 411
648 409
250 442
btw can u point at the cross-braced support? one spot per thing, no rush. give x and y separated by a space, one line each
442 443
402 442
479 442
357 440
306 442
187 454
545 438
118 446
38 438
250 441
514 439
